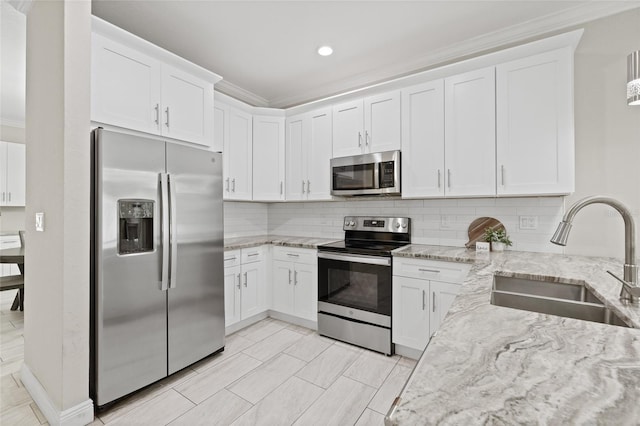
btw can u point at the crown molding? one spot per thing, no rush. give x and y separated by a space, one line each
241 94
482 44
22 6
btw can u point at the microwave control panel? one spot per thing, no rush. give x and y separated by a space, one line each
386 174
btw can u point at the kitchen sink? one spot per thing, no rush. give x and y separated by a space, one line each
563 299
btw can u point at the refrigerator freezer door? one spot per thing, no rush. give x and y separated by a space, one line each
129 311
196 293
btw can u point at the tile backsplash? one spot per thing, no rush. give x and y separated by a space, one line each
439 221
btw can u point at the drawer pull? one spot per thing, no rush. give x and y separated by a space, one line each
230 258
424 304
293 255
253 254
435 271
433 294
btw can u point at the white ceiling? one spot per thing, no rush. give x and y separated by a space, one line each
266 50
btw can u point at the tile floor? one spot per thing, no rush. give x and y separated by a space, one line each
271 373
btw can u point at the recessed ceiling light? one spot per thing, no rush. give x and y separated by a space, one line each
325 51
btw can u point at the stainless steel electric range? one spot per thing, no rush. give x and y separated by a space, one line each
354 281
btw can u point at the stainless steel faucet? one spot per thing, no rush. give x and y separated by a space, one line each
630 292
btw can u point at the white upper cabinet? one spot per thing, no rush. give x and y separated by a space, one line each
423 140
269 155
470 140
308 151
187 103
535 141
12 174
125 86
367 125
139 86
238 147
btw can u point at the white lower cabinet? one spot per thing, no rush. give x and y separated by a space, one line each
295 282
245 283
423 291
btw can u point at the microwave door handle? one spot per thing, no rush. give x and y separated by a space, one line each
376 175
164 231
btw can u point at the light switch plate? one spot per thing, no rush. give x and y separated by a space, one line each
40 222
529 222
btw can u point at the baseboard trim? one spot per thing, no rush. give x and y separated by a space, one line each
78 415
244 323
408 352
313 325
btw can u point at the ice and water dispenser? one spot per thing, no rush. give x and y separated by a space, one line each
135 226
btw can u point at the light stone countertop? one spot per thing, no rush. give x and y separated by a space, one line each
494 365
277 240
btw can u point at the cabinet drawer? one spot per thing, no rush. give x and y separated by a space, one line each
231 258
253 254
451 272
288 254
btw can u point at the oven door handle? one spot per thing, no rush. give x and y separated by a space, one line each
357 258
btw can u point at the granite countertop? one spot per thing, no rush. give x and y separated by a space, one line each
494 365
277 240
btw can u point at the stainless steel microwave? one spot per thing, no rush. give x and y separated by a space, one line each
367 174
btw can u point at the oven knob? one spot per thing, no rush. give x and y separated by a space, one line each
404 225
346 223
352 223
398 225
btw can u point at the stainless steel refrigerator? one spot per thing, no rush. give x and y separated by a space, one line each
157 299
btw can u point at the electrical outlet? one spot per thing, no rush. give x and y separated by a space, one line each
40 222
529 222
446 221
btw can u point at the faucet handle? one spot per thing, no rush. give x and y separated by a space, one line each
629 292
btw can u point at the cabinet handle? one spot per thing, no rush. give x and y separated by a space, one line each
308 187
449 178
289 276
230 258
226 184
293 255
238 280
3 196
233 185
9 196
167 122
433 301
359 139
303 187
157 108
252 254
439 180
245 279
280 187
502 174
424 304
366 137
435 271
295 278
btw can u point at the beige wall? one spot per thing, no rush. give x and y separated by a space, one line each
607 134
58 82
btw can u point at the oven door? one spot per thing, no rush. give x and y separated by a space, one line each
348 282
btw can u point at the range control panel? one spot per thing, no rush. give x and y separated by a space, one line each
377 224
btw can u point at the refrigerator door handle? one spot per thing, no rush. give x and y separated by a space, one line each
173 234
164 220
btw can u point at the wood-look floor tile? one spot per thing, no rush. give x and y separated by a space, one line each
390 389
212 380
261 330
13 395
10 367
264 379
282 406
130 403
19 416
220 409
233 344
328 366
41 418
309 347
300 329
371 368
370 418
341 404
407 362
272 346
161 410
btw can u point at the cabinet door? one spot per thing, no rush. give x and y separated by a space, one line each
3 172
125 86
232 295
187 107
318 155
220 130
305 291
410 322
348 126
239 150
252 283
382 122
268 152
442 296
470 134
16 174
282 296
295 170
423 140
535 145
